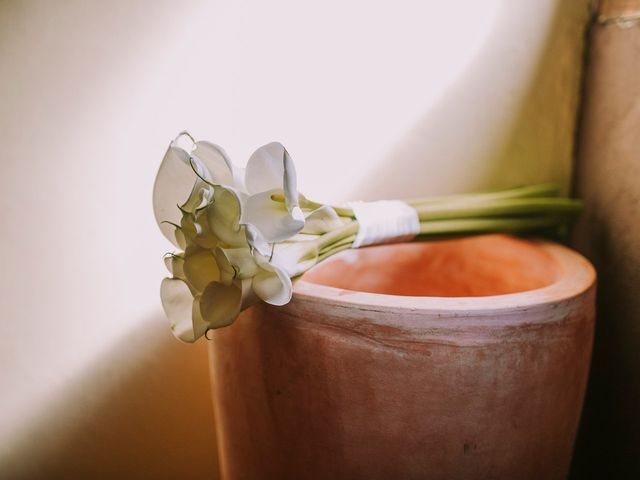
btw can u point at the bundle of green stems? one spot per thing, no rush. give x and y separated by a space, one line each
524 210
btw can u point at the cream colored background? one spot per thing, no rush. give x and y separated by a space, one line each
373 99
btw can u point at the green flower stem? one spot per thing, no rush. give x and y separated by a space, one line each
310 204
517 210
347 240
542 191
500 208
488 225
332 251
448 227
531 191
337 235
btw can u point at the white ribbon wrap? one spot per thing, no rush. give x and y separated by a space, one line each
384 221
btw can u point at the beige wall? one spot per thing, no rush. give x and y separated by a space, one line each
373 99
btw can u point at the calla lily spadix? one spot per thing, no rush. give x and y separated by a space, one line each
245 235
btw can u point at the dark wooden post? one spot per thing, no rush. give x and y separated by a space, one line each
608 178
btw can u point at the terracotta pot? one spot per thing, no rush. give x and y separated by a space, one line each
454 359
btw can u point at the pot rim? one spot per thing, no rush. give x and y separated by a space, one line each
575 276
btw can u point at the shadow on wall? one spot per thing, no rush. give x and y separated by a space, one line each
118 432
530 136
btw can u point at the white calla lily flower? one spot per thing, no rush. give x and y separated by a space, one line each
182 310
271 171
184 183
189 178
271 218
223 216
239 229
272 284
190 315
235 263
220 304
295 258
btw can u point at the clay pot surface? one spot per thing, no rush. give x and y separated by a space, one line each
454 359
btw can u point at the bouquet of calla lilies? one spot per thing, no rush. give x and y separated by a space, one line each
244 235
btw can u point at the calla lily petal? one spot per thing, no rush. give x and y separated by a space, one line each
173 186
175 265
270 168
179 238
200 268
200 326
168 260
189 227
196 230
290 182
295 258
271 217
249 297
256 240
265 168
224 217
216 161
321 220
220 304
235 263
177 302
238 179
272 284
202 191
204 236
